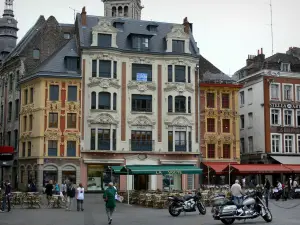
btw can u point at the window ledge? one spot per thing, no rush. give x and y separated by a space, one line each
250 103
241 106
242 128
276 125
250 127
275 99
138 112
103 110
179 113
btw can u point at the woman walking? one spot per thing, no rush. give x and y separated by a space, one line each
80 197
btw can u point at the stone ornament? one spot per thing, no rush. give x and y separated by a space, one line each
178 32
104 26
141 86
103 82
72 136
27 109
141 121
179 87
103 118
53 134
179 121
103 56
53 106
210 138
141 60
212 113
73 106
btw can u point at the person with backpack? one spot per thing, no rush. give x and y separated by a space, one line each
109 197
71 192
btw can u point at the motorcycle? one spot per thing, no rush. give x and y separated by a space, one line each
186 204
252 207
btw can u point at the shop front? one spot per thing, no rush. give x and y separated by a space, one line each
50 172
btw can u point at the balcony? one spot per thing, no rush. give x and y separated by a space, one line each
141 145
104 144
180 146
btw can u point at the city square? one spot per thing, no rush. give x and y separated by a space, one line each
284 212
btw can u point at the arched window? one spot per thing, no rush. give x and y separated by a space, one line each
36 53
126 11
104 100
170 103
115 101
114 11
180 104
93 100
120 11
189 105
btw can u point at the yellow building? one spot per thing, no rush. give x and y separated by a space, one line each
219 124
50 120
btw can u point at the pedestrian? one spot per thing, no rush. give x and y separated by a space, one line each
57 189
279 190
80 197
237 193
71 192
64 189
267 187
49 191
33 187
110 201
6 197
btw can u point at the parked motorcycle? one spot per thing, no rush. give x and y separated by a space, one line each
252 207
186 204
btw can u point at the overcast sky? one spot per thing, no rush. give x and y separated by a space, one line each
226 30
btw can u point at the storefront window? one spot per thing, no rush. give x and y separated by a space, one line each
99 176
49 175
69 176
172 182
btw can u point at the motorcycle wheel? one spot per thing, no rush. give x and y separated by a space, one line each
227 221
201 208
268 217
173 211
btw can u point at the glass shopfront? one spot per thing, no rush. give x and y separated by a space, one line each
172 182
49 175
69 176
99 176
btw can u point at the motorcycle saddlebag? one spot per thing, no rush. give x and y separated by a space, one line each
228 210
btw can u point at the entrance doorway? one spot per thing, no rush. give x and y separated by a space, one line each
141 182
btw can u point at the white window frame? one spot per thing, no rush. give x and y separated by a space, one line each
250 96
280 143
279 92
297 111
298 143
242 103
250 150
292 92
297 98
279 117
293 117
285 67
293 144
250 122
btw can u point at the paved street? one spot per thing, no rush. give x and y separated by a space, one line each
132 215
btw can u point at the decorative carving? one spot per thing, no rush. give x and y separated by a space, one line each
27 109
103 118
54 134
104 26
141 60
210 138
53 106
227 113
103 56
141 86
227 138
211 113
73 107
178 32
179 121
141 121
72 136
25 135
103 82
179 87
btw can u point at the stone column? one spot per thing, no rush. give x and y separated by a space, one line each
59 175
39 178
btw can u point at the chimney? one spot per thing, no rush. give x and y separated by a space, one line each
186 25
249 60
83 17
261 51
258 52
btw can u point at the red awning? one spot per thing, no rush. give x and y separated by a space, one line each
6 150
218 167
294 168
259 168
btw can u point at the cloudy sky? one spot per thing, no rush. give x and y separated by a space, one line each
226 30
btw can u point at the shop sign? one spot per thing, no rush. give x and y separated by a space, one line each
284 106
288 130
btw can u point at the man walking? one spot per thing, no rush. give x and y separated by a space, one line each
267 187
6 196
71 192
110 201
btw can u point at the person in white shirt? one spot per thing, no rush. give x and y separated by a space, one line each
236 192
80 197
279 188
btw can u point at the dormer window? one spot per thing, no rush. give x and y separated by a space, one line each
67 36
177 46
36 54
152 28
119 25
71 63
104 40
285 67
140 43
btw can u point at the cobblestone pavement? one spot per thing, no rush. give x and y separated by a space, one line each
94 214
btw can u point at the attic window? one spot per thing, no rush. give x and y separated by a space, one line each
140 43
67 35
72 63
36 54
118 25
285 67
152 28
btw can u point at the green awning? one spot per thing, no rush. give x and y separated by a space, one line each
116 169
157 169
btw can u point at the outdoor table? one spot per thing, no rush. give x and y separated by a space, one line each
32 199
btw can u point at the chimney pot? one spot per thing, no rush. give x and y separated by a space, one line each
83 17
258 52
261 51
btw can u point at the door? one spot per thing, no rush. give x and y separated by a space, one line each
141 182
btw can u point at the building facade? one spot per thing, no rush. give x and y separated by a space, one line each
139 100
50 108
269 105
219 122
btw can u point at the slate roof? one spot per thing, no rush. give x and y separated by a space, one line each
283 58
209 77
205 65
157 43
